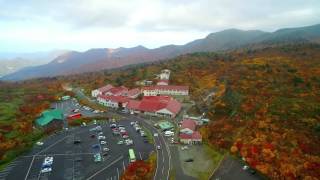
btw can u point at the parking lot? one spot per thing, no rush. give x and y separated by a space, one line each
76 161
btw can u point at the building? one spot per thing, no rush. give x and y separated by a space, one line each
117 91
188 126
194 138
165 125
101 90
165 90
113 101
165 74
162 106
133 93
163 82
188 133
52 118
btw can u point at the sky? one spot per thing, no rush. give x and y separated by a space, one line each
44 25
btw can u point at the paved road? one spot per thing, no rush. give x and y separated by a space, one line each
231 169
163 155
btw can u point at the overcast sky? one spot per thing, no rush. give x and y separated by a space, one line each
41 25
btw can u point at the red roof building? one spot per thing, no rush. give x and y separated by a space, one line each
156 105
134 93
193 138
188 126
101 90
113 101
117 91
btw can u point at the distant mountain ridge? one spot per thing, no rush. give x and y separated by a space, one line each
103 58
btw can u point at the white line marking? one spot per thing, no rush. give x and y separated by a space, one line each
29 168
118 173
124 167
140 156
105 167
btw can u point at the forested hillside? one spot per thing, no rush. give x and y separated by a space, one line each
265 108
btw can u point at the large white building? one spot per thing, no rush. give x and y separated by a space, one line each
113 101
165 90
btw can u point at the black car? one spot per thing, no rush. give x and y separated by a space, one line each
76 141
78 159
145 140
189 160
105 154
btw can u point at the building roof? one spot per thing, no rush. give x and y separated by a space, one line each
188 123
195 136
156 103
118 99
117 90
105 88
165 125
133 104
133 92
48 116
167 87
163 81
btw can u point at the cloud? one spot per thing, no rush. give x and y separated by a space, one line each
79 24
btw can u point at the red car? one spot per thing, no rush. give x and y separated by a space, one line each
74 116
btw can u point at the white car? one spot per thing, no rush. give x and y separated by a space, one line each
168 133
128 142
103 142
45 170
245 167
158 147
132 123
106 149
39 143
101 137
48 160
184 147
155 134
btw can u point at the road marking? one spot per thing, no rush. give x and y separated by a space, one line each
124 167
29 168
70 154
162 170
118 173
119 158
140 156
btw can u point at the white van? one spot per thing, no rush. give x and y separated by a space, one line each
168 133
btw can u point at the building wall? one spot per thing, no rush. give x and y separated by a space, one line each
164 92
95 93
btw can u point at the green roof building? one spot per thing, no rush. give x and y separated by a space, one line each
165 125
48 116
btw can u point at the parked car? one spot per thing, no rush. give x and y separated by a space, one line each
39 143
120 142
95 146
103 142
128 142
113 125
184 147
101 137
78 159
125 136
168 133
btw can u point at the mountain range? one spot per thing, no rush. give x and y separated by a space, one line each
72 62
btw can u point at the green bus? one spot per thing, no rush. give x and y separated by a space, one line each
132 156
